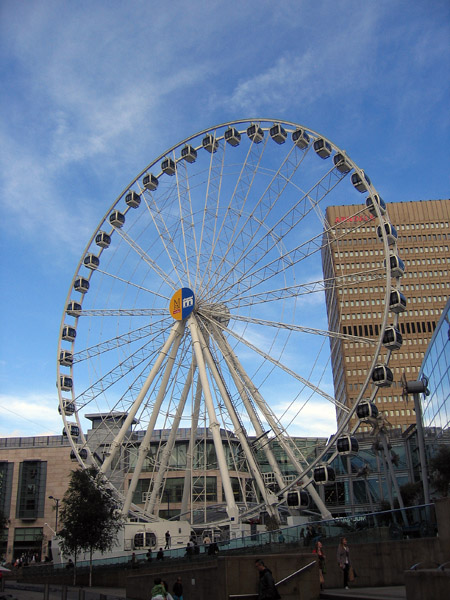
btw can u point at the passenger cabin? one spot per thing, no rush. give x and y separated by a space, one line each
324 474
150 182
132 199
81 285
73 309
68 408
322 148
397 266
300 138
366 410
117 219
392 338
103 239
209 143
189 154
391 233
397 302
278 133
72 429
168 166
91 261
66 383
360 184
232 136
347 445
382 376
255 133
341 163
375 199
298 499
69 333
83 454
66 358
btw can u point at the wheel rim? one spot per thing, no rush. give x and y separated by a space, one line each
242 227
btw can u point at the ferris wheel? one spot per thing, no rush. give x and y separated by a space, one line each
194 335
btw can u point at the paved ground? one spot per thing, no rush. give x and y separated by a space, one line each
15 591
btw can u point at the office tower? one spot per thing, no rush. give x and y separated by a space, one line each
357 308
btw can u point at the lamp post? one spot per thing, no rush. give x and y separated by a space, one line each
56 501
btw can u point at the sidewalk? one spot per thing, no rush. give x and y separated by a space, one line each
397 592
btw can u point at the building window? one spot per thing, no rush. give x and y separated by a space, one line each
6 474
31 489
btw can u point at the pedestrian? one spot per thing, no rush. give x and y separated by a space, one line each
167 546
177 589
158 590
189 549
160 554
149 555
318 549
168 594
206 542
266 586
133 561
343 559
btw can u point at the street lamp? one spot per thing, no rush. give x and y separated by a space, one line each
56 501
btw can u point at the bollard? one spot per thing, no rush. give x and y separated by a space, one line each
81 594
46 591
64 592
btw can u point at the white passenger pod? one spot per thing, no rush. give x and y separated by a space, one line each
397 302
66 358
81 285
278 133
103 239
132 199
91 261
392 338
68 407
360 184
73 309
397 266
117 219
322 148
255 133
232 136
83 454
341 163
189 154
298 499
375 199
72 429
366 410
391 233
168 166
69 333
209 143
382 376
66 383
347 445
324 474
150 182
300 138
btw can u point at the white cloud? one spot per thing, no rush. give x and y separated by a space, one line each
30 414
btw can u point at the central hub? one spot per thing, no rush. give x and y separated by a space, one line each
182 304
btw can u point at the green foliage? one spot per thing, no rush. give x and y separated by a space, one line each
89 519
412 494
440 470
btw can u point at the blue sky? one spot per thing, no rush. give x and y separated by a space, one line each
94 91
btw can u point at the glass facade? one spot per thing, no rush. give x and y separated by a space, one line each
31 492
436 367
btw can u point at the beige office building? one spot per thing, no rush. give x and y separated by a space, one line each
356 308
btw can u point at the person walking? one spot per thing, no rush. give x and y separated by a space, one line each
266 586
318 549
177 589
343 560
160 554
158 590
167 546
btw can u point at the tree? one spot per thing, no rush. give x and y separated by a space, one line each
89 517
440 470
